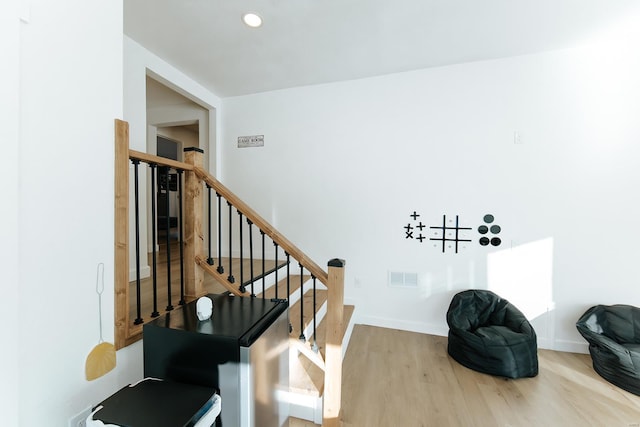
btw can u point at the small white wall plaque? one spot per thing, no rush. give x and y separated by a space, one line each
251 141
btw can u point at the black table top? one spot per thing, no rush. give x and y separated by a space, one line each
153 403
240 319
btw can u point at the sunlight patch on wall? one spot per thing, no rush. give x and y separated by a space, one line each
524 276
448 279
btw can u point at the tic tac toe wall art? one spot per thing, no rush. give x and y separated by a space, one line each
450 234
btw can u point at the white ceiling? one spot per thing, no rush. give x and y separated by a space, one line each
304 42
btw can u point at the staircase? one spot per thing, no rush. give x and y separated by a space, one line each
306 357
320 323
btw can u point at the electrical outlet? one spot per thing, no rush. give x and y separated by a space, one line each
80 419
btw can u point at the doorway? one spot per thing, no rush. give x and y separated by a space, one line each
167 190
174 122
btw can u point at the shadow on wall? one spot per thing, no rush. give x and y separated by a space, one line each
524 276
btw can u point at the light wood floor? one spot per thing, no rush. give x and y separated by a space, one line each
398 378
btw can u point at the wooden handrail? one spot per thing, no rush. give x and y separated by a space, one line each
240 205
160 161
263 225
220 277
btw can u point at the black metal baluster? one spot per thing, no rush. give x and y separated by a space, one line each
263 269
154 240
168 240
288 277
302 337
240 224
251 254
137 226
231 279
181 243
220 267
315 340
276 269
288 285
209 260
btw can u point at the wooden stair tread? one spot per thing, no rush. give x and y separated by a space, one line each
235 263
294 285
307 301
305 377
297 422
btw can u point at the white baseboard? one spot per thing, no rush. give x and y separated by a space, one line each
404 325
571 346
425 328
545 343
305 407
348 333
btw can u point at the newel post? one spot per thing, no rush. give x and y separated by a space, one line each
193 236
121 233
333 357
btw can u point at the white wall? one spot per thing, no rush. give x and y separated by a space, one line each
9 274
70 92
138 63
345 164
62 86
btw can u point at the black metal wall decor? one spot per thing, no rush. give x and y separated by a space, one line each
486 228
409 229
450 234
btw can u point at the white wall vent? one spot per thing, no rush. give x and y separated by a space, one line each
403 280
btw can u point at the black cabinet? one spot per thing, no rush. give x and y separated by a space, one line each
242 351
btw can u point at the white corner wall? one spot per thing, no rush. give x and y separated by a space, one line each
9 273
70 92
345 164
138 63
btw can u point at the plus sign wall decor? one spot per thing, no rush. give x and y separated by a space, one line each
418 225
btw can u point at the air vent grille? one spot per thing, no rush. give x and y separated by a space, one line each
399 279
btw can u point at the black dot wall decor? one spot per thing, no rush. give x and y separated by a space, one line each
487 227
450 234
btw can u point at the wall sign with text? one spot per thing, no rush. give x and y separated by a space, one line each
251 141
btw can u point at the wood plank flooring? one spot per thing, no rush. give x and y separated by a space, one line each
399 378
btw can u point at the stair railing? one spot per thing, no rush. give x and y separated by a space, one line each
195 262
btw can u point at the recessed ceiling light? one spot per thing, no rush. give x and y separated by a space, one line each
252 20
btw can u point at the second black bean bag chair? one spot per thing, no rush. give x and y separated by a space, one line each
489 334
613 334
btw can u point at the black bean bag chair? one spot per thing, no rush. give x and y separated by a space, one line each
613 334
489 334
